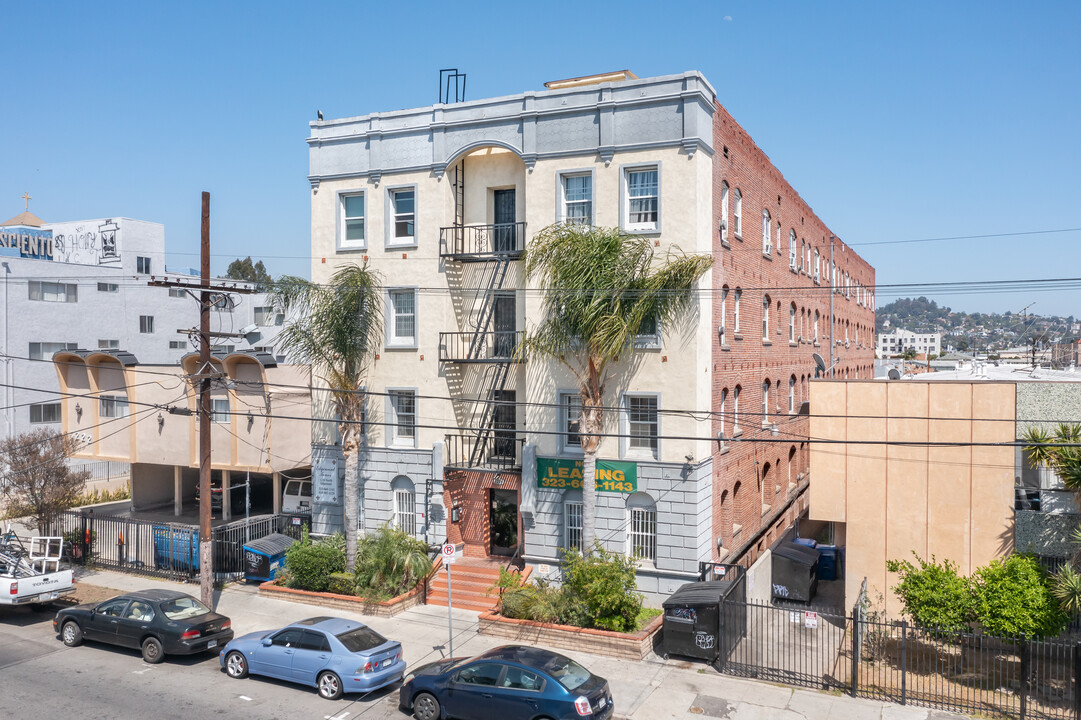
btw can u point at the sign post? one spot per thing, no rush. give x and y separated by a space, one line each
448 555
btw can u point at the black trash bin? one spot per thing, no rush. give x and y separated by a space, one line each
264 558
693 618
795 572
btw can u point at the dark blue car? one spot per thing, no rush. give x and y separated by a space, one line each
512 682
333 655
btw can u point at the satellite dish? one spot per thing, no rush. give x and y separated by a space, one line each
819 362
893 374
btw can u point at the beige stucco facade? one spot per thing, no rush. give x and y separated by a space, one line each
890 499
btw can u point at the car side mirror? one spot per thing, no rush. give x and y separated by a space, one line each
267 642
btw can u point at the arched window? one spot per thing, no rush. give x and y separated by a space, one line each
792 395
735 410
724 407
766 485
791 463
724 312
642 528
724 211
767 247
765 317
792 264
792 323
817 267
765 403
405 505
735 309
572 520
815 328
737 215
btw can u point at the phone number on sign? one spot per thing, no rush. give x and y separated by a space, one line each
576 484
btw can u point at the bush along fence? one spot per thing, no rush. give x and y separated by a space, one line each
167 550
898 662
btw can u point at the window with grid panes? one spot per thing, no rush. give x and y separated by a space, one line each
578 199
642 529
642 423
404 404
572 511
643 201
570 405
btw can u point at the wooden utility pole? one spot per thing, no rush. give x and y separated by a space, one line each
206 555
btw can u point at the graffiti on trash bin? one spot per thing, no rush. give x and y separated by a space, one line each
704 641
780 590
683 613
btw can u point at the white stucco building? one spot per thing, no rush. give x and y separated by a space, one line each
896 342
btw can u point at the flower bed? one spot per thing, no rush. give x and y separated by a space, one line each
352 603
629 646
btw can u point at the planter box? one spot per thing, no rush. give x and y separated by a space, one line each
352 603
628 646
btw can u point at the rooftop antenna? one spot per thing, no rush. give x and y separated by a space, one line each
450 80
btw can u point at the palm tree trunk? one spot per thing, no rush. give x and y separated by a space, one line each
590 426
351 478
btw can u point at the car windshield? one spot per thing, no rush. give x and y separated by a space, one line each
570 674
361 639
183 608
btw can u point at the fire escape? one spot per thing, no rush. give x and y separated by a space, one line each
481 356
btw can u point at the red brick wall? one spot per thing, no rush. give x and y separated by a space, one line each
752 473
468 490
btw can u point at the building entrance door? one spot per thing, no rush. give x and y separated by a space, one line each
503 522
505 238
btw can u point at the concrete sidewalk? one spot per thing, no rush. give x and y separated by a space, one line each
653 689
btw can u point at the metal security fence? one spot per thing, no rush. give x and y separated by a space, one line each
167 550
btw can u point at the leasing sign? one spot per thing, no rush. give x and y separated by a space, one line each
565 473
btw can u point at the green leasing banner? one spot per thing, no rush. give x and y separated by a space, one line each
612 475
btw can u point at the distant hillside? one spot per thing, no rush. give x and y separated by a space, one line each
963 330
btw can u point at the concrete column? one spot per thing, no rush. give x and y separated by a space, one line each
277 482
178 489
226 505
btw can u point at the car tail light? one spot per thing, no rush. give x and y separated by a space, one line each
14 588
368 667
581 704
189 635
227 624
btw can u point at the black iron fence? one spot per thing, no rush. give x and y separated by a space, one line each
956 671
167 550
466 242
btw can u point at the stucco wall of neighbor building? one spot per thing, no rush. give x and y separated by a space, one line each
1046 534
952 502
744 357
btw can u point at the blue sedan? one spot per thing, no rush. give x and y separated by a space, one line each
333 655
512 682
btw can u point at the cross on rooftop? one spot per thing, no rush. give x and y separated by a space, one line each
27 197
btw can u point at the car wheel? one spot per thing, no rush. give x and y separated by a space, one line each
330 686
71 633
425 707
152 651
236 666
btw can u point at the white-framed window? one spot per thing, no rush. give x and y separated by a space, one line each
402 216
142 265
114 287
737 213
724 312
792 250
45 350
724 211
177 344
402 423
642 199
642 528
405 505
173 292
815 327
570 414
53 291
792 395
767 226
146 323
792 322
765 317
268 316
724 418
576 198
735 409
817 267
765 403
112 406
352 233
219 410
641 425
108 344
45 413
649 335
735 309
572 521
401 318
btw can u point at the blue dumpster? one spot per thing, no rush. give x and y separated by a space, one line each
808 542
829 562
264 558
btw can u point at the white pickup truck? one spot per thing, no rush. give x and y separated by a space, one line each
32 576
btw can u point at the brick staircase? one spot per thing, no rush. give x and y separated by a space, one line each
470 580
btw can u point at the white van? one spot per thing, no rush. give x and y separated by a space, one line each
298 497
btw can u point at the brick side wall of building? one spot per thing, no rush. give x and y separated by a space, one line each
757 469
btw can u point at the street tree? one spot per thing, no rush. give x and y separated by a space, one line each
249 272
38 483
603 288
336 328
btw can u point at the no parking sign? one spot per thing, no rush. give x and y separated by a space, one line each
449 554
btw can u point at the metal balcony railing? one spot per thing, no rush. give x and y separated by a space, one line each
496 450
473 243
480 347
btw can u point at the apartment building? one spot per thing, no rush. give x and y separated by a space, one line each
83 285
468 440
897 342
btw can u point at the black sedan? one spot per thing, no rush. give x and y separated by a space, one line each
159 622
512 682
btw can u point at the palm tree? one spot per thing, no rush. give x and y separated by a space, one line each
336 328
602 288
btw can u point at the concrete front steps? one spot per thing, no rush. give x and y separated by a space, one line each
470 580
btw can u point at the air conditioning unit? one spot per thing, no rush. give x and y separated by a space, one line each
767 249
249 329
816 276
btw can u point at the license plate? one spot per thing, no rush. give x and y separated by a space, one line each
54 595
388 661
212 643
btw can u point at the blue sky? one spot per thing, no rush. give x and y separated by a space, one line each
895 121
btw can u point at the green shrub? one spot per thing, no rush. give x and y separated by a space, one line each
602 585
390 563
933 594
342 583
1013 597
311 564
